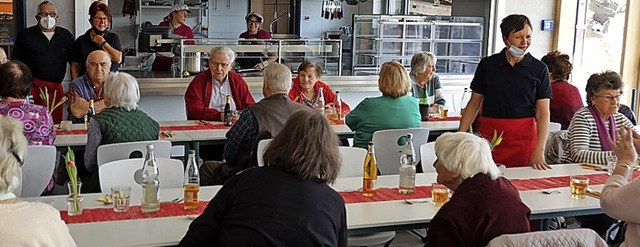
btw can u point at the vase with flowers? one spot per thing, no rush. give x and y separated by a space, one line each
74 201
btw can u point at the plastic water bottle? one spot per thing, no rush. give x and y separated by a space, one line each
407 167
320 101
150 182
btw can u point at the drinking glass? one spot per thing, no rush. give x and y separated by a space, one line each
121 198
579 186
444 111
439 194
66 126
612 160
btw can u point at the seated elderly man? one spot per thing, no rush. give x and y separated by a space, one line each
206 95
484 206
120 121
89 86
262 120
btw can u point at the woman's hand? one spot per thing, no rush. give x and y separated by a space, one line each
624 146
97 39
538 162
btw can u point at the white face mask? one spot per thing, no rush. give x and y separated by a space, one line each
515 51
47 22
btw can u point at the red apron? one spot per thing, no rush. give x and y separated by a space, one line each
52 87
518 141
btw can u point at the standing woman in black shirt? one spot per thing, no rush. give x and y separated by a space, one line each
96 38
514 90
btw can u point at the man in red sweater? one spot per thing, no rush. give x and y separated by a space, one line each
205 97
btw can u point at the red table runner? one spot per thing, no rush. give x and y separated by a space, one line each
107 214
391 194
383 194
163 128
435 119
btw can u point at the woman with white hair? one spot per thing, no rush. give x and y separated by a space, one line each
24 223
121 121
471 217
424 78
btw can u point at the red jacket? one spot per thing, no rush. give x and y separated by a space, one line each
295 94
198 96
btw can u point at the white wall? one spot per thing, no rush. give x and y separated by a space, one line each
542 41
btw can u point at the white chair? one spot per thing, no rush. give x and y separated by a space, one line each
352 165
18 190
388 149
428 156
129 172
352 161
120 151
580 237
37 170
553 126
262 145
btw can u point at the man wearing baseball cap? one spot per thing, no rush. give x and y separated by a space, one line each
257 61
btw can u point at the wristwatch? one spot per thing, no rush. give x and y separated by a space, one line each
102 44
265 63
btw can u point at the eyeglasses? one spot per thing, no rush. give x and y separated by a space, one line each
216 64
252 22
609 98
43 14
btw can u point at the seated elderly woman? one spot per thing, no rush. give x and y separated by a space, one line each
121 121
306 87
620 195
471 217
591 125
24 223
37 121
393 110
566 98
14 89
285 203
424 80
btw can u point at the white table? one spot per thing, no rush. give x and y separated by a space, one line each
219 135
361 217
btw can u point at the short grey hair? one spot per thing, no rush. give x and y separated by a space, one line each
421 60
122 89
466 154
278 77
46 2
224 50
102 53
12 144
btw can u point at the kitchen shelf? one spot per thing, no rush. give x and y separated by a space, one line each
457 42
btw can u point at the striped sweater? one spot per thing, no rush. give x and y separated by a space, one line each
584 143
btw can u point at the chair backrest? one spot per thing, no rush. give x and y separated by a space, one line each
428 156
262 145
555 146
129 172
352 161
387 147
581 237
124 150
553 126
37 170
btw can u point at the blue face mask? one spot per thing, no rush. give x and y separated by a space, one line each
515 51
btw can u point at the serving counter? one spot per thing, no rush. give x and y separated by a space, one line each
165 85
